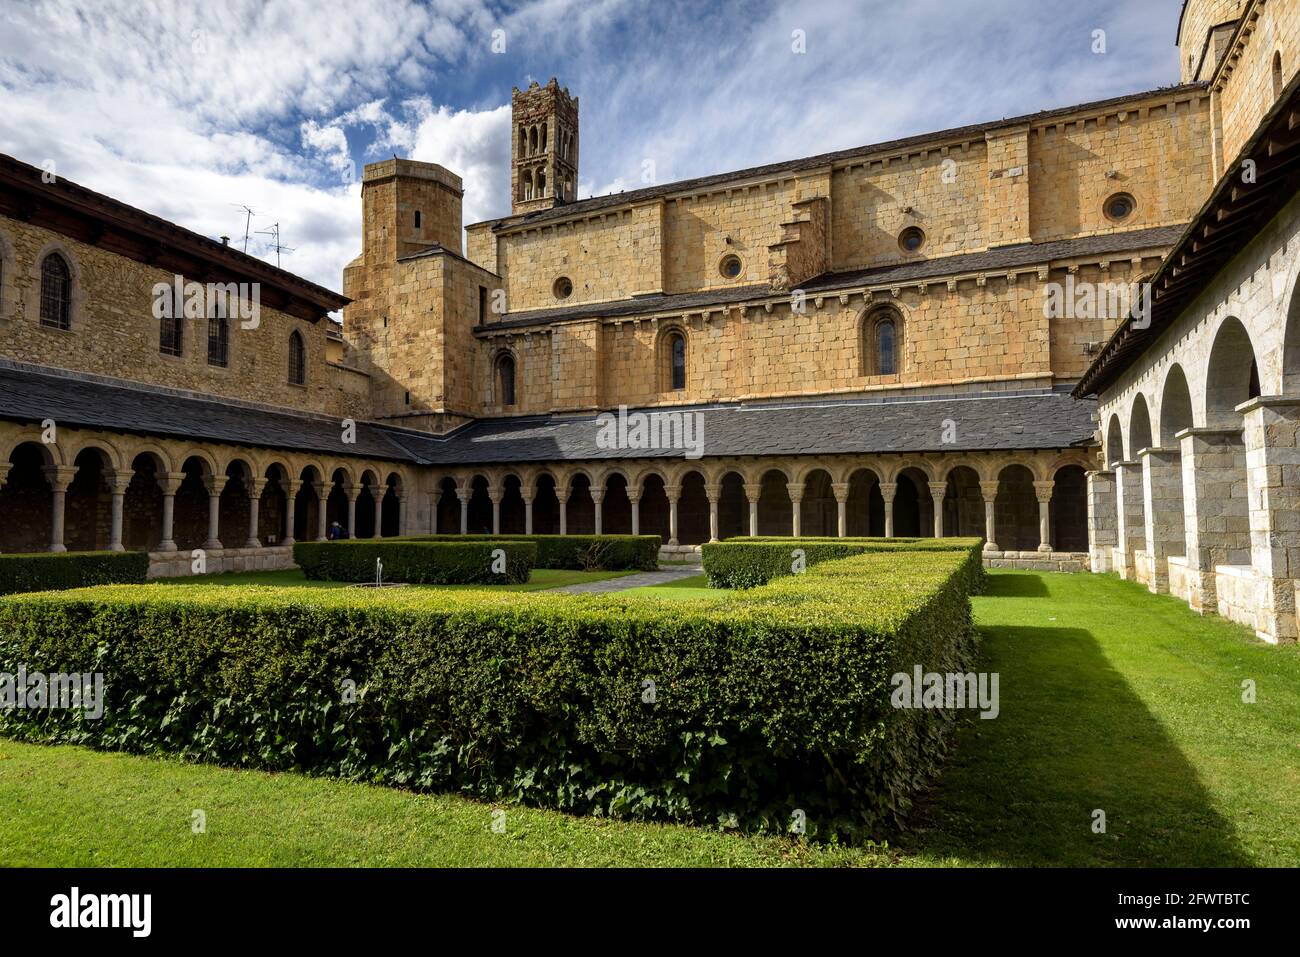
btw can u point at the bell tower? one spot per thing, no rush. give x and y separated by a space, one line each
543 147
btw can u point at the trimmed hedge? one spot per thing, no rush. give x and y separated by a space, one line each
764 703
750 562
415 563
613 553
46 571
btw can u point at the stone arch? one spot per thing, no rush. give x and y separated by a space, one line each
673 363
513 519
26 498
874 356
160 457
505 377
76 308
479 510
1139 429
692 507
733 507
963 503
651 471
1175 406
112 457
775 509
616 504
1068 509
1231 375
546 503
818 508
1114 441
913 504
1015 509
865 509
580 511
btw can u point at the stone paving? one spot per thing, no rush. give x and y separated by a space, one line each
662 576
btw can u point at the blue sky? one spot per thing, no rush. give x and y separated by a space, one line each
190 109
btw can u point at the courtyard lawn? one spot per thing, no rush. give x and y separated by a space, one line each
684 589
1111 699
539 580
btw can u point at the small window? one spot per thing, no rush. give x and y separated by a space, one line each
482 305
297 360
56 292
882 343
730 267
886 352
1120 207
417 219
506 380
218 341
171 335
563 288
1278 76
677 360
911 239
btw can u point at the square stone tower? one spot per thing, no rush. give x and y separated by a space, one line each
543 147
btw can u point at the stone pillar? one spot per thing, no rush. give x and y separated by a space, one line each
1130 536
634 496
713 493
322 520
464 495
796 500
1216 516
1102 520
1272 439
1162 502
4 473
254 505
170 483
377 493
59 477
938 492
291 487
1043 492
751 496
214 485
597 500
674 492
117 485
527 495
562 495
400 494
887 492
841 490
352 492
989 492
494 496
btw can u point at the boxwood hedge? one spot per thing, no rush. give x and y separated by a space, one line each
742 709
749 562
417 563
578 552
53 570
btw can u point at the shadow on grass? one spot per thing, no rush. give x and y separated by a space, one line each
1016 585
1071 738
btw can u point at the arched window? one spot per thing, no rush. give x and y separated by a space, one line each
541 183
506 379
676 361
56 292
297 359
883 343
526 185
218 341
1277 74
532 141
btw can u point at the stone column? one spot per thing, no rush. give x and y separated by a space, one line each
841 490
1102 520
1216 516
674 492
713 493
352 492
59 477
938 492
1130 535
795 489
751 496
887 492
597 500
634 496
254 506
562 496
989 492
291 487
170 483
214 485
1162 502
377 494
1272 438
322 520
117 485
527 495
399 493
494 496
4 473
464 495
1043 492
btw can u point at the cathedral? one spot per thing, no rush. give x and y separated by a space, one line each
1068 333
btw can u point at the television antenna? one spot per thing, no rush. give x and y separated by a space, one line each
249 213
274 233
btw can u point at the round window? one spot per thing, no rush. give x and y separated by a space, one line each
1120 206
730 267
911 239
563 287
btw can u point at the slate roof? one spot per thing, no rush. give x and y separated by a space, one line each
613 200
991 260
1038 420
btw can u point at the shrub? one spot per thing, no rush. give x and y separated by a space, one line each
416 563
578 552
46 571
749 562
737 708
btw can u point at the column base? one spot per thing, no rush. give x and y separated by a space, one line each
117 548
1044 548
991 547
58 548
168 546
211 545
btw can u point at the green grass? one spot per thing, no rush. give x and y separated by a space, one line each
1111 699
683 589
539 580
